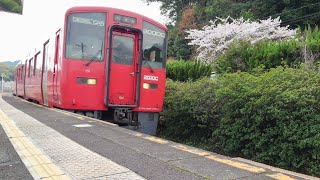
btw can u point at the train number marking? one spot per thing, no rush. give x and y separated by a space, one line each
154 33
151 78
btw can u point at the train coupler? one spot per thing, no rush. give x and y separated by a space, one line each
123 115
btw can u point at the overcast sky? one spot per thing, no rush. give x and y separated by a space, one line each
20 34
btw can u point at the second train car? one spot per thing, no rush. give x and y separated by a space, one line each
102 59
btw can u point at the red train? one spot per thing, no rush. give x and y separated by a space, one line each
103 59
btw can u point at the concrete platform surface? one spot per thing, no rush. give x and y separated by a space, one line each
55 144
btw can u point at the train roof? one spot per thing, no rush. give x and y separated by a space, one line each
114 10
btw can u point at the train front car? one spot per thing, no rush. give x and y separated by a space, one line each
114 61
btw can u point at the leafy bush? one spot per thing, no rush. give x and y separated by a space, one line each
188 115
185 70
273 117
312 39
242 56
11 5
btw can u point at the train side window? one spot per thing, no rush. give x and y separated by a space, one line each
45 57
57 49
26 69
34 65
37 63
18 74
22 71
30 68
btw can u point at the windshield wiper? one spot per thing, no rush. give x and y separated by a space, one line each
146 62
91 60
100 51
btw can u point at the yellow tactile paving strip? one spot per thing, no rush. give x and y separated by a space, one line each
38 164
221 160
244 166
73 159
280 176
157 140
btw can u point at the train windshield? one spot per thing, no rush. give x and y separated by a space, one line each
85 36
154 46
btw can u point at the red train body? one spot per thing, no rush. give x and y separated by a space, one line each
102 59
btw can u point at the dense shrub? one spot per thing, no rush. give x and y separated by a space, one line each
312 39
11 5
242 56
273 117
188 115
187 70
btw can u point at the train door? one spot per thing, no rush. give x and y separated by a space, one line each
44 79
55 67
123 70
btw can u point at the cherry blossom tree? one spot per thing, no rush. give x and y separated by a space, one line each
213 40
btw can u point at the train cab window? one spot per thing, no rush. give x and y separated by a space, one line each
85 36
154 46
122 50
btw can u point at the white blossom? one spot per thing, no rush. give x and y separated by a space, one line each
213 40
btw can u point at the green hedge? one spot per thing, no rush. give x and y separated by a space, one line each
272 118
187 70
187 115
12 5
242 56
312 39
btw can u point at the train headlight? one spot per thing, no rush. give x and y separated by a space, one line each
150 86
91 81
146 85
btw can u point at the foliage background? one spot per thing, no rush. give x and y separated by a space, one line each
14 6
263 104
187 70
194 14
8 68
242 56
271 117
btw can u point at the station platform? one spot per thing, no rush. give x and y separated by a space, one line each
37 142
